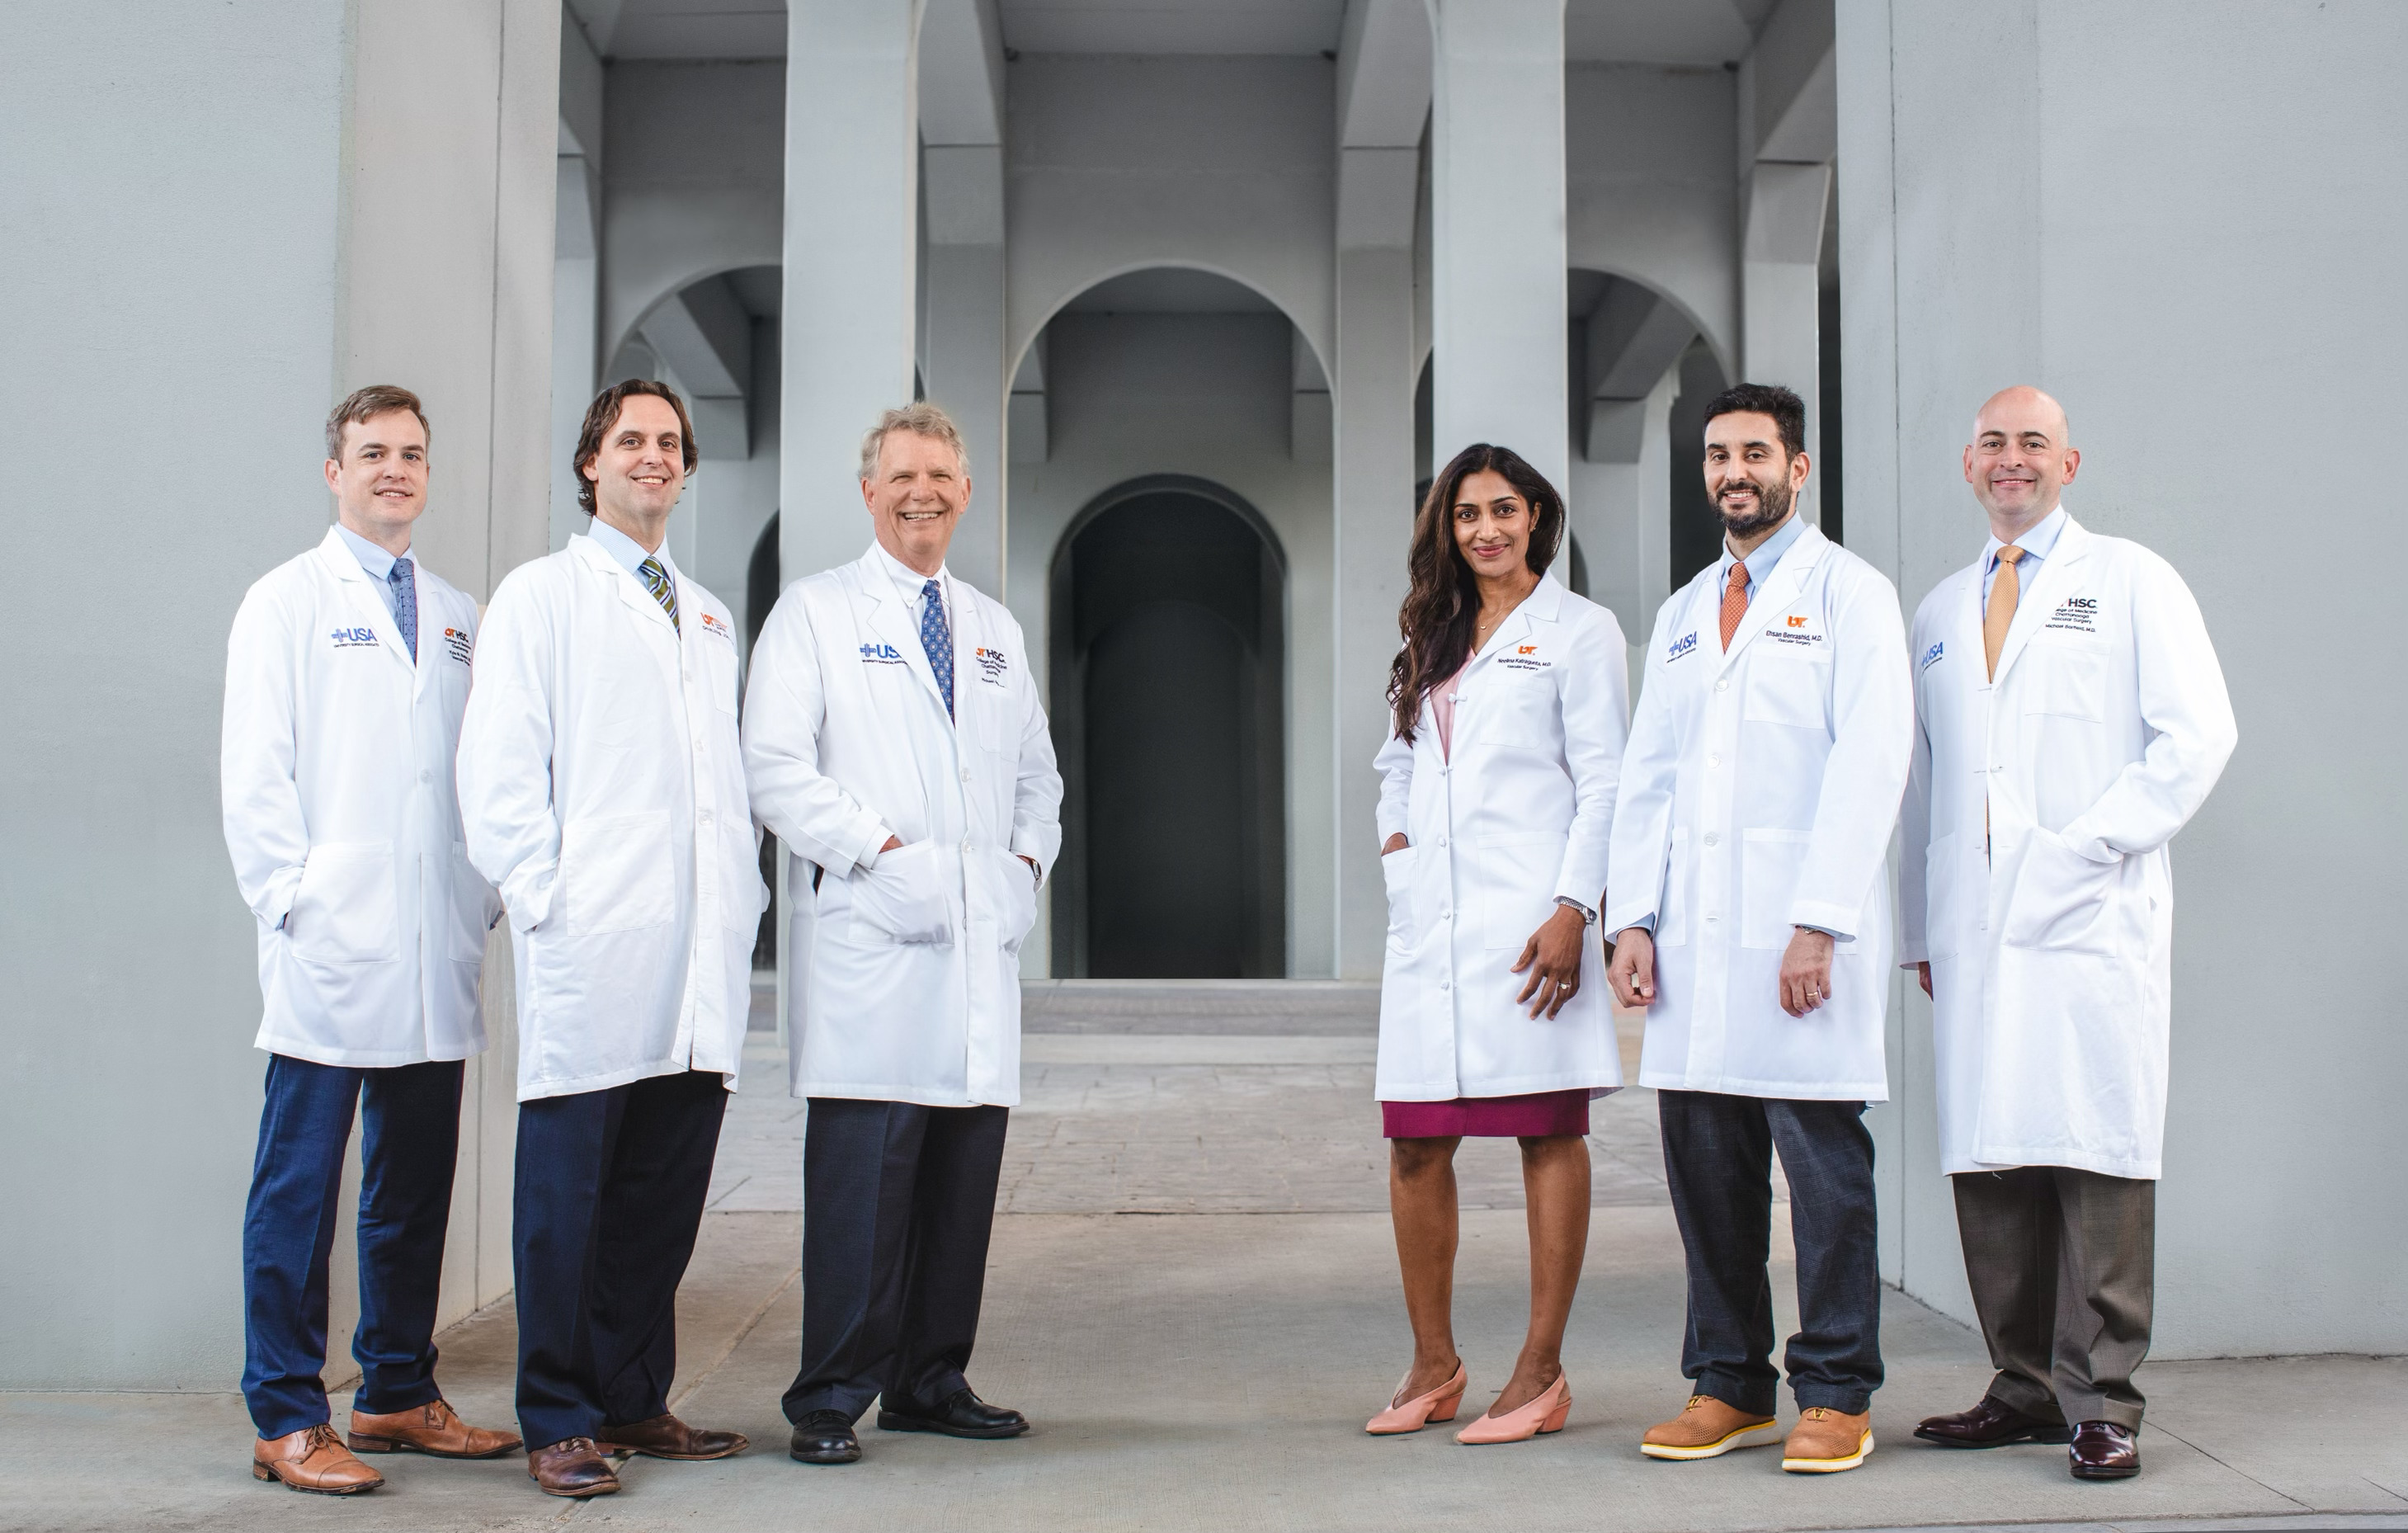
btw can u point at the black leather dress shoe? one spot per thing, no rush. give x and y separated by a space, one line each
962 1416
1990 1424
825 1437
2103 1450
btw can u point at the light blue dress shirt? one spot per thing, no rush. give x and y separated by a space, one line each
630 554
379 565
2037 544
1760 564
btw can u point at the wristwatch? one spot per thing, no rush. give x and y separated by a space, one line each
1588 917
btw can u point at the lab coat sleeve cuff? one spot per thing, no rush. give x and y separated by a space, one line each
527 892
1827 919
2083 844
277 896
874 835
1622 921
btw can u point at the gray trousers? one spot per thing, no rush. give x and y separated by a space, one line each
2063 1268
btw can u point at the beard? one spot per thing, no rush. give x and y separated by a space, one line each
1771 505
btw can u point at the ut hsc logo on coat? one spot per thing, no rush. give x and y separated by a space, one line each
2075 615
353 639
992 665
1802 629
1524 657
881 655
711 624
456 642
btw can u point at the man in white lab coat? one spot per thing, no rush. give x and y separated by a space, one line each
602 786
894 742
346 674
2071 719
1748 887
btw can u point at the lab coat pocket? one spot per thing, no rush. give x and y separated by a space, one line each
1672 911
1019 901
1770 862
1787 690
616 874
901 898
346 910
2063 902
2069 681
473 907
1944 902
1396 872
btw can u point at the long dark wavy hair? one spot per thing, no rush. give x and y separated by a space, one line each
1443 603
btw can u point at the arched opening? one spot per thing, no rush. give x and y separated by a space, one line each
1168 665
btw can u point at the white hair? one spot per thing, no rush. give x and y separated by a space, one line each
921 419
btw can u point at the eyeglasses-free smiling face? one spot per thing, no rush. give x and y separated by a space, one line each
639 471
2018 463
1492 524
380 482
917 498
1753 478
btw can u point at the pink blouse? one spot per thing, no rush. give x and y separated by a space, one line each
1442 708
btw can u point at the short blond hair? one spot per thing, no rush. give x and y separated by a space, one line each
921 419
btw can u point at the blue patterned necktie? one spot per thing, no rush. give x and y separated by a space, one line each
657 580
936 638
405 606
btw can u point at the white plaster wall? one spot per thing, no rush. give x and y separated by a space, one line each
1650 192
2191 236
1115 164
1206 396
227 217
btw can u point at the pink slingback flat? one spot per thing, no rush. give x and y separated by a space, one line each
1547 1412
1439 1404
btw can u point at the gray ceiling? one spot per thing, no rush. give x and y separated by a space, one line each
1700 33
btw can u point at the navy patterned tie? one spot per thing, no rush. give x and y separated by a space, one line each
405 606
936 638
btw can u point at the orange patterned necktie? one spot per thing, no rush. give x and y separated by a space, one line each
2000 614
1734 601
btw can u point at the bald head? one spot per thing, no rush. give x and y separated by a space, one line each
2019 461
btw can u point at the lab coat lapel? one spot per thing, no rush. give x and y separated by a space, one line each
639 600
892 623
362 602
1515 630
2058 574
1781 588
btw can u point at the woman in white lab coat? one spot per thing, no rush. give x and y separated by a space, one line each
1511 705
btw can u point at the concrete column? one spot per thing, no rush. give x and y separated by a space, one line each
1621 509
965 334
1498 260
852 189
576 321
284 143
1780 297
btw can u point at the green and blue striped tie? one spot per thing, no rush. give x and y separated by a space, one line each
656 580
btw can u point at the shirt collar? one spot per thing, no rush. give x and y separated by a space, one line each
374 560
1766 558
905 576
2037 544
629 553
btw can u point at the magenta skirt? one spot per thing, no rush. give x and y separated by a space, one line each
1537 1115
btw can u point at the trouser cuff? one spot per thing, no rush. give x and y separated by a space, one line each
1755 1400
2019 1394
375 1402
1846 1399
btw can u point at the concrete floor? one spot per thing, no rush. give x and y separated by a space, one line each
1192 1293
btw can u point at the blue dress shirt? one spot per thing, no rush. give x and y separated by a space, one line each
1760 564
2037 544
379 565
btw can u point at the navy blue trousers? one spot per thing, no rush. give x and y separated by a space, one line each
1718 1158
409 1137
607 1199
899 1201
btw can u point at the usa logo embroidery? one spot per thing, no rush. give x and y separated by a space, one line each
354 638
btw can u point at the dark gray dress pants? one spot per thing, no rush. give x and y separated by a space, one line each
2063 1268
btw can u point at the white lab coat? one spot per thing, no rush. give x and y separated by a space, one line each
336 773
2051 958
907 962
1758 795
603 790
1519 813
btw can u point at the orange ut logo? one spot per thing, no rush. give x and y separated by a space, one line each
1527 648
1798 623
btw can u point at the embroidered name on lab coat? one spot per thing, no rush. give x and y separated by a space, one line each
2075 615
455 643
1797 628
354 638
992 667
1524 657
881 655
713 625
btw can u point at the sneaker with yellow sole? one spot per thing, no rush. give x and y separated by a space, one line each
1825 1441
1708 1428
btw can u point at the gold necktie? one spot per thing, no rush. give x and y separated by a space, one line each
2000 614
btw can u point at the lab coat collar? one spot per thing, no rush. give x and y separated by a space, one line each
1544 604
359 589
895 625
637 596
2059 570
1781 587
2039 543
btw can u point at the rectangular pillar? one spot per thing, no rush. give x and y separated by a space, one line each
851 260
1780 292
965 334
1498 303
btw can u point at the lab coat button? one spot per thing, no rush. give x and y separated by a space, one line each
1446 984
1713 760
1722 683
706 817
966 774
1714 839
1442 840
427 777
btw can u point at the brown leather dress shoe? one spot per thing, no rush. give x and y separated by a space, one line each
2103 1450
573 1466
433 1429
1828 1441
666 1437
312 1459
1990 1424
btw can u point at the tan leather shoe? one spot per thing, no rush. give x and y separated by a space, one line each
434 1428
666 1437
1825 1441
1707 1428
573 1466
312 1459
